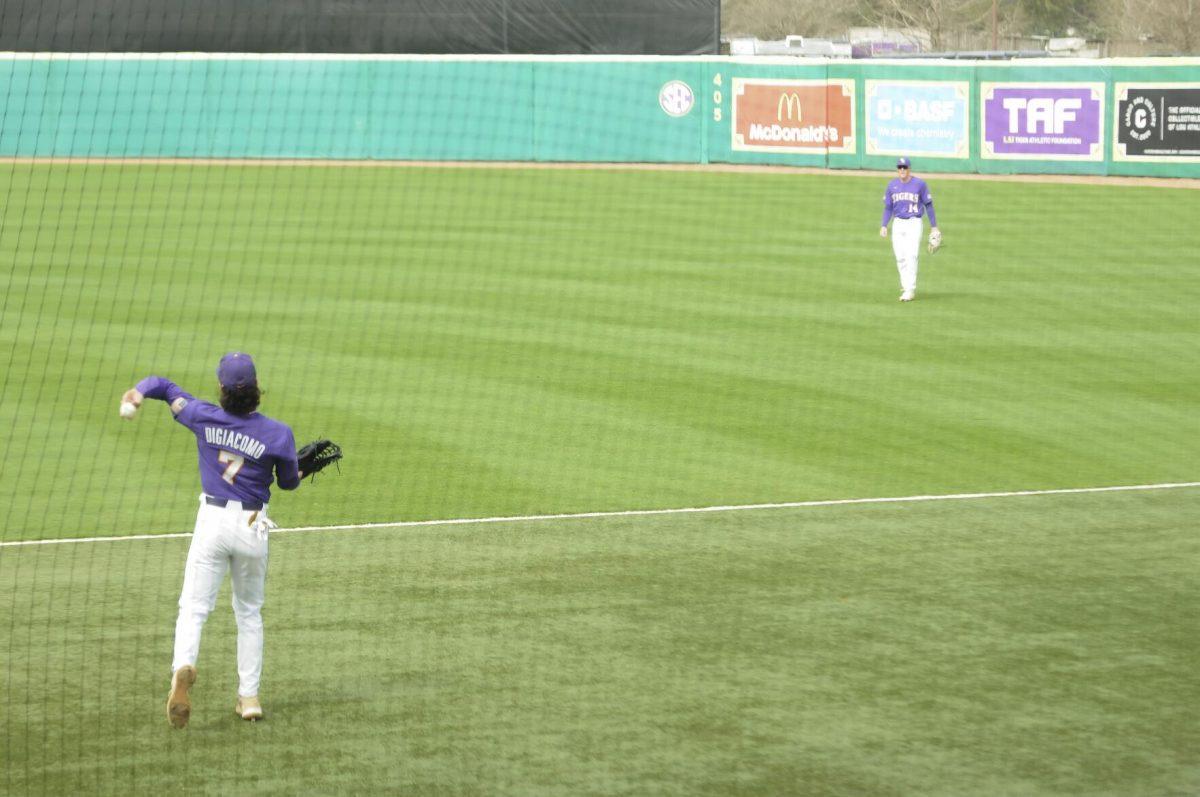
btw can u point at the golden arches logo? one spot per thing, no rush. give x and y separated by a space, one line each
790 101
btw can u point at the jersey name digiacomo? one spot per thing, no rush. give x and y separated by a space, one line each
239 454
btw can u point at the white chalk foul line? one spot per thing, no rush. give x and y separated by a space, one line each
640 512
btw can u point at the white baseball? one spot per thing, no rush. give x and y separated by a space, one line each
128 409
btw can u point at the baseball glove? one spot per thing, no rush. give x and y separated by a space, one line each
318 455
935 241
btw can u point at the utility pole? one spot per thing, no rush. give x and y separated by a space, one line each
995 41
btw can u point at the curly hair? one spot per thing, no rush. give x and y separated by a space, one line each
240 400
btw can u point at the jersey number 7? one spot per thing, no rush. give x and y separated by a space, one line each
233 463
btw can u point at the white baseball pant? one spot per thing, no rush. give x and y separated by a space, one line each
906 244
225 538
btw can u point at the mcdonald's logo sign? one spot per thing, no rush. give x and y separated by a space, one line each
790 109
809 116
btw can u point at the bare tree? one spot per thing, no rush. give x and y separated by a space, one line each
1172 25
775 19
1175 23
942 19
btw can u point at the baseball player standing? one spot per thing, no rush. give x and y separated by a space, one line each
905 201
239 449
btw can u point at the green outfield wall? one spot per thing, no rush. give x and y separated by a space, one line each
1122 117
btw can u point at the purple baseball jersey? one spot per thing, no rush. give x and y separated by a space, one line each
238 453
907 200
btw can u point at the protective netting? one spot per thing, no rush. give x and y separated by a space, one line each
520 288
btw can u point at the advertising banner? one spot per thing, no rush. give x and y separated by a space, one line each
808 116
1042 121
1156 122
918 117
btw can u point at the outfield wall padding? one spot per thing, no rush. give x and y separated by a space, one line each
1121 117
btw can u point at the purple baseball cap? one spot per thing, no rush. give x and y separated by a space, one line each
236 370
903 163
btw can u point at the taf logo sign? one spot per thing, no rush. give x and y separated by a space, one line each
1042 121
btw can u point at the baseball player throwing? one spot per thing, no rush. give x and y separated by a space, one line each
239 449
905 201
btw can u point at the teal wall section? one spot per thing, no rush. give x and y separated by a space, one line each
608 112
591 109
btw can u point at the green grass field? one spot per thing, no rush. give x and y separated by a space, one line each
496 342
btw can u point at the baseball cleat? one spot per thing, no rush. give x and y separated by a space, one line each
248 708
908 296
179 706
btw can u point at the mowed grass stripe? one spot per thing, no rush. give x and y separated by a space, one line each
501 342
945 648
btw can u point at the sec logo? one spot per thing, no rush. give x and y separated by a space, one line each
676 98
